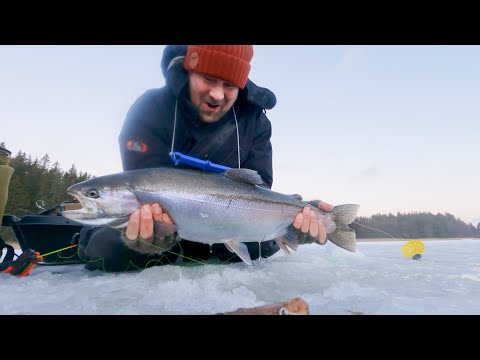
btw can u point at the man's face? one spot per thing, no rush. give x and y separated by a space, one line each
212 97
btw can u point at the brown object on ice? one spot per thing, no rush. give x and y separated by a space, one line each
295 306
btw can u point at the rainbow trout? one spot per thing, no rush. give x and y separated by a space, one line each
230 207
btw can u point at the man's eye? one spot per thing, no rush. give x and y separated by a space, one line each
209 79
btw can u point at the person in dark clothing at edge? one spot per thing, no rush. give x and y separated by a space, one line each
208 109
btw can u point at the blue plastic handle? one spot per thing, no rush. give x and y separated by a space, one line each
205 165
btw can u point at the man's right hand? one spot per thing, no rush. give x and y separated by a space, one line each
141 222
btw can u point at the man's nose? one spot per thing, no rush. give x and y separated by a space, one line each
216 92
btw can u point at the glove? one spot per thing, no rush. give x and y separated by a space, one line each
155 245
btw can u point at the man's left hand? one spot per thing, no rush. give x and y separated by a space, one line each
307 222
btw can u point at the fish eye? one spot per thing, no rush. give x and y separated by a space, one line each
93 193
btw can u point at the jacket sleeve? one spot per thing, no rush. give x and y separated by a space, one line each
144 138
259 157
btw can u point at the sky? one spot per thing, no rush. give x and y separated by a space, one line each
393 128
376 280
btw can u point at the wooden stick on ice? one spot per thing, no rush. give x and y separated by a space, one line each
295 306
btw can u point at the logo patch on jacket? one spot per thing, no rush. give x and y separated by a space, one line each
137 145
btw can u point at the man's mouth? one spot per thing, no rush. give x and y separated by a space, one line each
212 106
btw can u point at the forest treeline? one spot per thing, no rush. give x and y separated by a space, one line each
414 225
37 181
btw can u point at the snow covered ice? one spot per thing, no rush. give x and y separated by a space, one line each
377 279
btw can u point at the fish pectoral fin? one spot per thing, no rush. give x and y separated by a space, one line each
282 246
240 249
229 248
288 238
164 229
285 240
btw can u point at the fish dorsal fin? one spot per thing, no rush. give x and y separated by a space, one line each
240 249
245 175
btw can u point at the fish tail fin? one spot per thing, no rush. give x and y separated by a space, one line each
345 214
344 236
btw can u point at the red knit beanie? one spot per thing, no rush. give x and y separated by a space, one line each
228 62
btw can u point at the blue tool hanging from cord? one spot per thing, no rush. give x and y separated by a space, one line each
205 165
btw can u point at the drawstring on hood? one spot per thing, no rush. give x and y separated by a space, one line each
172 149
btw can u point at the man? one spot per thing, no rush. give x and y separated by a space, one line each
5 175
209 110
6 172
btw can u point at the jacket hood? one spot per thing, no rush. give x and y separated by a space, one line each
176 78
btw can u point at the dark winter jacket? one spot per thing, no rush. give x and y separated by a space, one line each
146 137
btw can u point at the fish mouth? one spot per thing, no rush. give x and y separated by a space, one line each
86 214
87 218
81 215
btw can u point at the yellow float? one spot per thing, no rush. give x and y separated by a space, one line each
413 249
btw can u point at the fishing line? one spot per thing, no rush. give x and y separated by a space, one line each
174 127
55 251
201 262
411 249
171 252
146 242
162 250
238 136
368 227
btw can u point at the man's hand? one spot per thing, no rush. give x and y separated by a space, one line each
141 222
307 222
141 227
